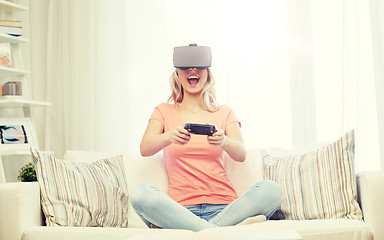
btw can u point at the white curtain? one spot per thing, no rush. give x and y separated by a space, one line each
71 74
377 19
345 80
295 72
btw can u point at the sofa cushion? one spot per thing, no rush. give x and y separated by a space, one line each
82 194
98 233
319 229
318 184
328 229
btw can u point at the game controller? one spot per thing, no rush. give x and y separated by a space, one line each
200 129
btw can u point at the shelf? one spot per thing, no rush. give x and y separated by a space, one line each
5 38
10 72
21 151
11 6
19 101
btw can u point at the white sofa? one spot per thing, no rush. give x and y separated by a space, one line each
21 216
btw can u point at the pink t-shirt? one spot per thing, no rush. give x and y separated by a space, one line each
196 170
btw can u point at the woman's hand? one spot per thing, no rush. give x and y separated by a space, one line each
230 141
155 139
179 136
217 139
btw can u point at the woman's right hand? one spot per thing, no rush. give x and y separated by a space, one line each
154 139
179 136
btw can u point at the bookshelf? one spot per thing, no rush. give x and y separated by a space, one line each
16 110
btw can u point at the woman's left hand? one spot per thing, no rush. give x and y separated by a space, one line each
217 139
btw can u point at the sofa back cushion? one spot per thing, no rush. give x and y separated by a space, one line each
244 174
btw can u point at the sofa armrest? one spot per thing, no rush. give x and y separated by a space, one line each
370 190
19 208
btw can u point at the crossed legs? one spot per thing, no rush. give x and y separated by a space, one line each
156 207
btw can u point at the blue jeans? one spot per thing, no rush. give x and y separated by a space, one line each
156 207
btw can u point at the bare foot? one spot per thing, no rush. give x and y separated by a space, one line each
155 226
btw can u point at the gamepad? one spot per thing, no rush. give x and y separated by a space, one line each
200 129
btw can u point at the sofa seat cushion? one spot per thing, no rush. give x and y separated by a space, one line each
95 233
319 229
228 233
324 229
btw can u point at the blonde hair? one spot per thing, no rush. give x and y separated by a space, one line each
207 96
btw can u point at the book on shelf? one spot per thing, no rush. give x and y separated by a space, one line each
10 23
11 27
10 89
13 31
5 55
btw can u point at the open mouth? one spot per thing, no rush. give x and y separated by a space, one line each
193 80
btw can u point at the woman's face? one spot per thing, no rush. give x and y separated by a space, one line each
193 79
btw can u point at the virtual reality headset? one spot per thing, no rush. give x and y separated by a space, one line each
192 56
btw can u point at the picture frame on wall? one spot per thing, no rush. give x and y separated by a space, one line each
16 134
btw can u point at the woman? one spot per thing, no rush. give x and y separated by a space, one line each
199 193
